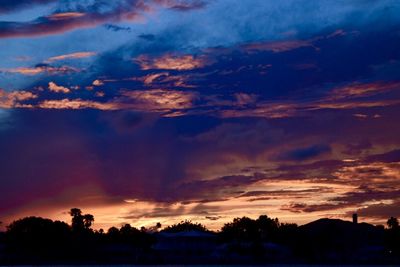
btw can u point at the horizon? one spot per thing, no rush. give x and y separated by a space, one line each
163 227
147 111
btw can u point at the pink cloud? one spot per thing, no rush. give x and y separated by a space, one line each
171 62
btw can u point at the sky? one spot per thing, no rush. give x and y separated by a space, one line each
146 111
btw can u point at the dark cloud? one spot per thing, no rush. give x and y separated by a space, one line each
117 28
366 195
391 156
306 153
147 37
10 5
381 210
358 148
185 6
318 190
213 218
302 207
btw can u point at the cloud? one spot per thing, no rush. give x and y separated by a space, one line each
381 210
306 153
296 193
343 98
53 87
217 188
388 157
159 99
90 16
174 102
303 207
357 90
244 99
183 5
42 69
373 183
98 83
204 163
15 99
367 195
277 46
165 80
117 28
10 5
75 104
170 62
76 55
255 126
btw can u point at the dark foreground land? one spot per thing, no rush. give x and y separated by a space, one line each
244 241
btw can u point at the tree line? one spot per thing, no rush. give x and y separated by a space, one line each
38 240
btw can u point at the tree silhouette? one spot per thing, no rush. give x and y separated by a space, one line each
264 228
393 223
267 227
113 232
80 222
77 219
240 229
34 237
185 226
88 220
35 240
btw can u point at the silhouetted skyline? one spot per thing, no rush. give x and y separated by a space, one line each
36 240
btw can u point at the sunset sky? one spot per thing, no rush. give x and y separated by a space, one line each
146 111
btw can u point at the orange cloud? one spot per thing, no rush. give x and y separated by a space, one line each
53 87
72 56
75 104
180 103
151 78
171 62
159 99
13 99
65 16
356 90
164 79
245 99
41 69
98 83
344 97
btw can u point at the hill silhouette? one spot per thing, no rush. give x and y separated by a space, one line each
35 240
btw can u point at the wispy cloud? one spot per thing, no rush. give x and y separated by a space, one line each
277 46
76 55
41 69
